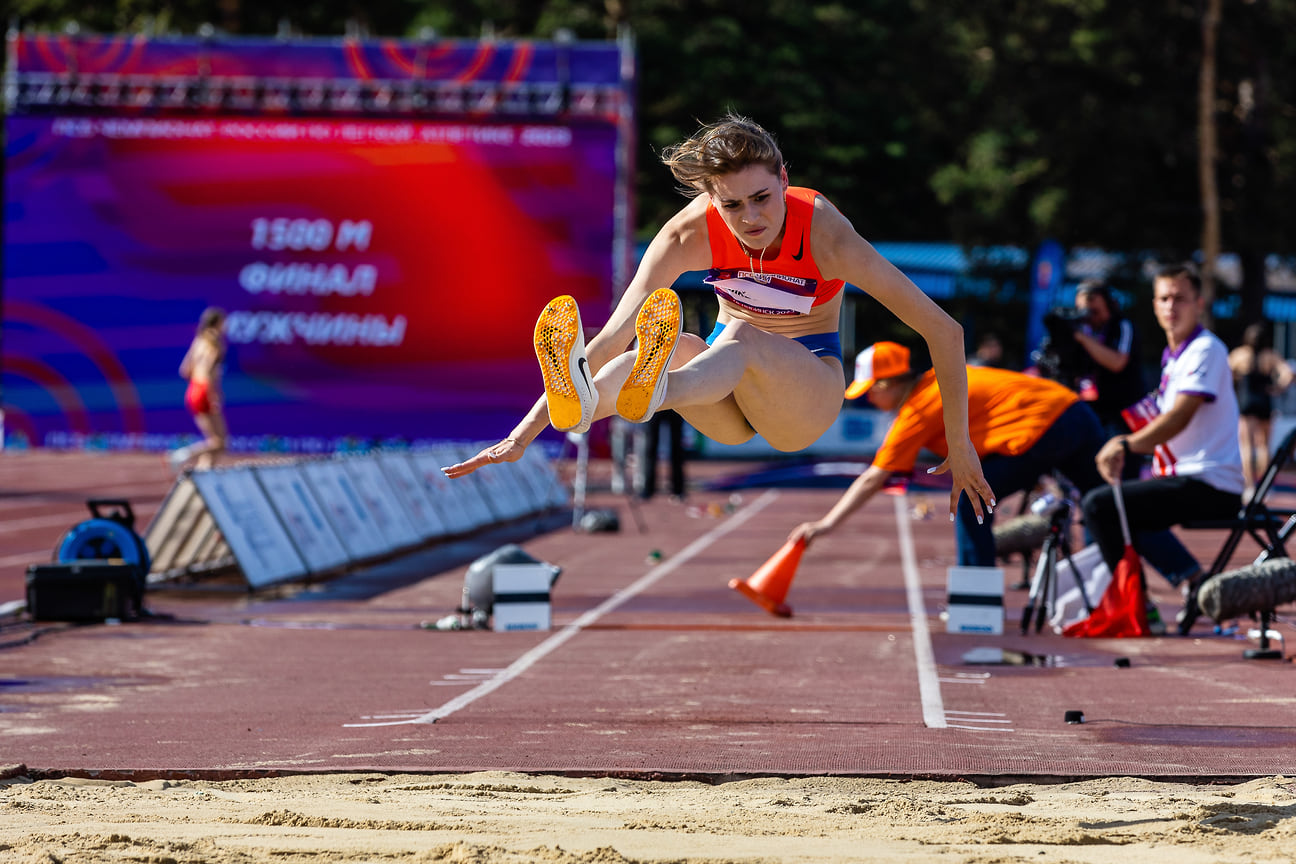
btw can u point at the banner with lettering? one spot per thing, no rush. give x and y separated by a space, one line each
381 275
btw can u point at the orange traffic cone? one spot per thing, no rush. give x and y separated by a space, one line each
769 585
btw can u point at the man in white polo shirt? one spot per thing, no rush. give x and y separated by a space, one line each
1189 425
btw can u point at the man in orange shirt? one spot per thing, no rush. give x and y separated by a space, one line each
1022 427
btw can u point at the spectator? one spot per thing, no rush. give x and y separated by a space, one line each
204 397
1022 427
1114 379
1189 425
674 424
1259 375
989 351
1112 382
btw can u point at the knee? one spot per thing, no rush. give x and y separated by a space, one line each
689 346
734 331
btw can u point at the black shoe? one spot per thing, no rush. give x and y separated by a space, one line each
1188 615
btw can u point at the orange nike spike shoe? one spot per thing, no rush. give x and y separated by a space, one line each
560 348
658 330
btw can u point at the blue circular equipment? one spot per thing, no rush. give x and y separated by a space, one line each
101 539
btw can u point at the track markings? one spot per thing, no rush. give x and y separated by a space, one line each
464 677
933 708
978 721
557 640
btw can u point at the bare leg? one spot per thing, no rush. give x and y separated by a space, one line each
748 382
1244 445
1260 446
751 380
215 433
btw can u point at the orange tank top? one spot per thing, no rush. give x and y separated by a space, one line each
788 284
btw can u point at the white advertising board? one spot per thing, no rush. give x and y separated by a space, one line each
250 526
302 516
345 509
388 511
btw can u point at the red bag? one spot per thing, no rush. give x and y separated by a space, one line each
1123 609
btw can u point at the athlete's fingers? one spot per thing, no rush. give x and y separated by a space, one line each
980 495
462 469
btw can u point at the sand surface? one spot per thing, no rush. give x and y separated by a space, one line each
502 818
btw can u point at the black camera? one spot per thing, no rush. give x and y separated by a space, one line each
1060 357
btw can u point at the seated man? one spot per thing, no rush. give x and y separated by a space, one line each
1021 426
1189 424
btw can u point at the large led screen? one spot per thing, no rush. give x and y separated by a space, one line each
381 278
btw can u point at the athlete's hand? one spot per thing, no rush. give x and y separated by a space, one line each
806 532
964 466
508 450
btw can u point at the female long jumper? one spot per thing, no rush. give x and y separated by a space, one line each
778 257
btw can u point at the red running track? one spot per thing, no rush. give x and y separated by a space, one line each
654 667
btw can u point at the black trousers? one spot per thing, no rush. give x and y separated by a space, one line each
1160 502
675 430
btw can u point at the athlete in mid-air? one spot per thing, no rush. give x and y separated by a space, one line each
778 257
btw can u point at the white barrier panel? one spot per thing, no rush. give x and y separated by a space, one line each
345 510
443 492
498 483
302 516
519 471
413 495
384 506
540 472
249 525
464 492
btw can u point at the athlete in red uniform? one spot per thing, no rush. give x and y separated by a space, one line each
202 366
777 257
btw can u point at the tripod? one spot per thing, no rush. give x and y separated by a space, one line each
1043 589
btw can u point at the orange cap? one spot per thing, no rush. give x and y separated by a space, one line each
879 360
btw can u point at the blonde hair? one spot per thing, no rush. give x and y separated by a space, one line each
724 147
211 318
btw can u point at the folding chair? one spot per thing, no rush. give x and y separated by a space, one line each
1268 526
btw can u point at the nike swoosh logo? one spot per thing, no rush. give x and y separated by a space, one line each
585 372
800 249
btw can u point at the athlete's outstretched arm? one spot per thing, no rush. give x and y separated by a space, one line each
844 254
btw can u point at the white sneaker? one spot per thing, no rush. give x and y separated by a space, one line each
178 457
658 329
560 347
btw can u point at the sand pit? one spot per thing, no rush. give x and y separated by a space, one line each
503 818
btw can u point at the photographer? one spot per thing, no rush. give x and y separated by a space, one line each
1115 367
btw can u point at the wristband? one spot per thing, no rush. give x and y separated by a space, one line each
1125 445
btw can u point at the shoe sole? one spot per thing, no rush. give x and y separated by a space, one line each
560 348
658 328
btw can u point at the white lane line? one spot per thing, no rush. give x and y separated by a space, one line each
962 716
556 641
980 728
928 682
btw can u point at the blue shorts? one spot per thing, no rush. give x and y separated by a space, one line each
820 344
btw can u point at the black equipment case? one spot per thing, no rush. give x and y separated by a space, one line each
85 590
